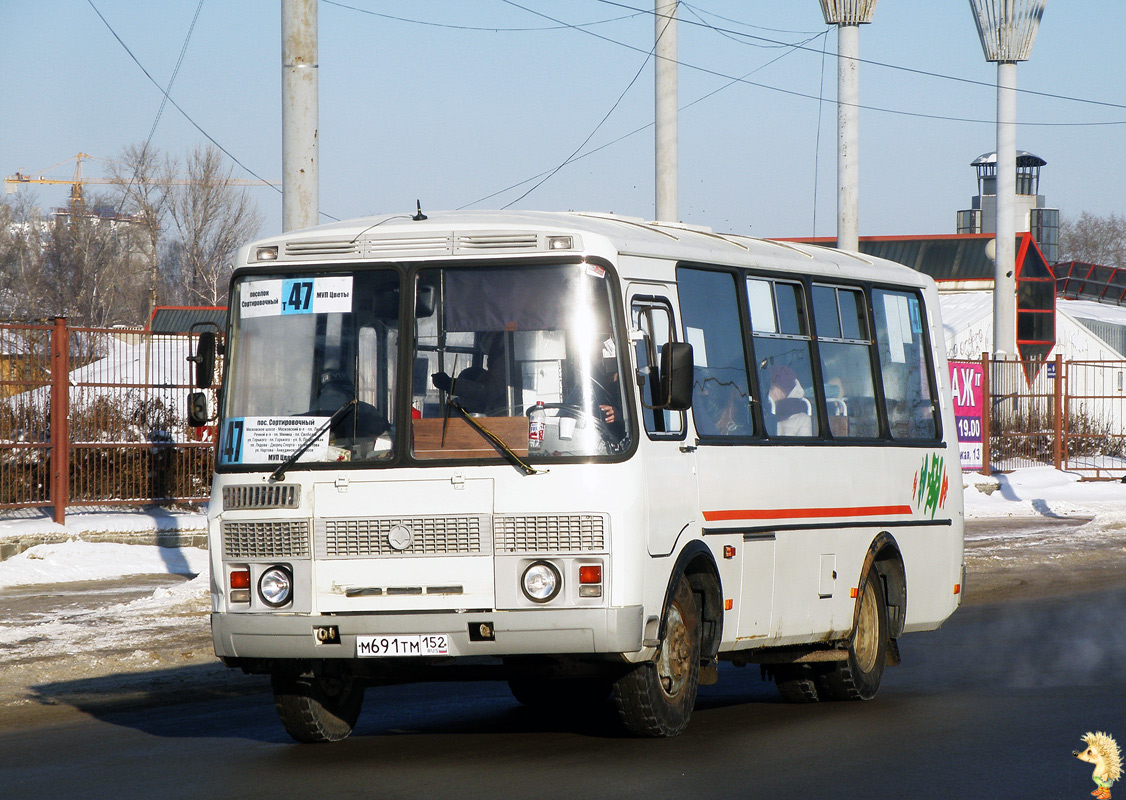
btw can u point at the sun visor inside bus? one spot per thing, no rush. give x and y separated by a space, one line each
509 299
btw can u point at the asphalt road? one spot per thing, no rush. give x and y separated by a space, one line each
991 705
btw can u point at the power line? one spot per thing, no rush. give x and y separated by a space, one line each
883 64
601 122
794 93
184 113
635 131
484 28
163 101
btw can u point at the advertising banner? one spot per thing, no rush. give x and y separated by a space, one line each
965 386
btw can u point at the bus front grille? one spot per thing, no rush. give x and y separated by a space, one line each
414 536
281 495
551 533
261 539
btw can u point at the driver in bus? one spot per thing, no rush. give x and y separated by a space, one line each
606 391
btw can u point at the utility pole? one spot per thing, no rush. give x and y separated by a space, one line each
1007 29
300 161
665 51
848 16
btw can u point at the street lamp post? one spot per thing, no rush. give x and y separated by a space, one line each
848 16
1007 29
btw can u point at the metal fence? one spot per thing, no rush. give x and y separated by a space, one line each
1066 414
94 417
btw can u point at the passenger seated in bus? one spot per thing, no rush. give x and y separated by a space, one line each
791 412
719 407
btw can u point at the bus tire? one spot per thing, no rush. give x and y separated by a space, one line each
321 708
560 693
656 698
858 677
797 683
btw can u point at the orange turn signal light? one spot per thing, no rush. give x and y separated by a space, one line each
592 573
240 579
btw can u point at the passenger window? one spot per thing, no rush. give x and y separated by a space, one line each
782 357
710 310
844 347
652 319
904 367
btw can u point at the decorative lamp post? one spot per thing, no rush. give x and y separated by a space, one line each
848 16
1008 30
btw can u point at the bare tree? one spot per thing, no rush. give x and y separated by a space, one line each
1094 239
107 260
76 263
144 178
91 267
19 254
212 218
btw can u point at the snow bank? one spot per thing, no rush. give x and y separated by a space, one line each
1044 492
89 561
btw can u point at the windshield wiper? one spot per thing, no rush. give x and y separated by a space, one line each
279 473
488 435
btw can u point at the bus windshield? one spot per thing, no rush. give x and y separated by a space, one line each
533 352
530 352
301 348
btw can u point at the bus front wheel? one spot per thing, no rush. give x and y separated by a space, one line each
323 707
858 677
656 698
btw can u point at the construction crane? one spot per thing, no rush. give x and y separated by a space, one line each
78 201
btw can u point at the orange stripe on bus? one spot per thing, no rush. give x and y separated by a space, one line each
800 513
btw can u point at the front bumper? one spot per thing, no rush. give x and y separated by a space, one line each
516 633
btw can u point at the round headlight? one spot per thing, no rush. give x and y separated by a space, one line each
275 587
541 582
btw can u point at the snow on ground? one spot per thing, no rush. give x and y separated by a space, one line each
1044 492
90 561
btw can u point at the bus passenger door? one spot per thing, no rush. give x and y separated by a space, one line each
726 458
670 483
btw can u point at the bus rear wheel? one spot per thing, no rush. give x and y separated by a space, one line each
656 698
797 683
858 677
323 707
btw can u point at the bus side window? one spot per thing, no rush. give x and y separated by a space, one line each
652 317
845 346
709 309
904 365
780 329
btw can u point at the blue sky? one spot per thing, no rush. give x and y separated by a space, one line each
426 107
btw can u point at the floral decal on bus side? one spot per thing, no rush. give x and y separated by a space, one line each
931 484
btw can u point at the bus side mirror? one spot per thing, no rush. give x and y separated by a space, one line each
204 360
198 415
676 376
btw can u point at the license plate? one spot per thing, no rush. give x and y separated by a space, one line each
421 644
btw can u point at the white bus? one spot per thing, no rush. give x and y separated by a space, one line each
587 454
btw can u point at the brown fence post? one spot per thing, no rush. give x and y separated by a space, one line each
60 432
1057 446
986 413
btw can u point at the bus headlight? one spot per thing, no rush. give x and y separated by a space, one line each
275 587
541 582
